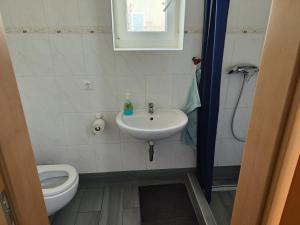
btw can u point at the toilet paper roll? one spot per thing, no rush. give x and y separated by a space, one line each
98 126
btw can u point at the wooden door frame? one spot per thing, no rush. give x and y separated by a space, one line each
272 119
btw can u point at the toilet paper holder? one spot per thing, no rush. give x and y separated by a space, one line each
98 125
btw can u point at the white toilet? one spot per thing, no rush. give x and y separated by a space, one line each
59 185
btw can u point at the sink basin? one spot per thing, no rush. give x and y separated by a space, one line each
161 124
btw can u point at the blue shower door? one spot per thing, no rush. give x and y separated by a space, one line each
214 31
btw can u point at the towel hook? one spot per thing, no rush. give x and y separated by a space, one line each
196 60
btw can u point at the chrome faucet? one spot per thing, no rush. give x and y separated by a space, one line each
150 107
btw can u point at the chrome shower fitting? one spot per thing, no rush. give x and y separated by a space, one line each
247 70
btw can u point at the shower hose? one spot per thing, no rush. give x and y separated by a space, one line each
235 110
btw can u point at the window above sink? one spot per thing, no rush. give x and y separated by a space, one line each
146 16
148 24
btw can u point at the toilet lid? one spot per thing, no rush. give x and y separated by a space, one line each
56 179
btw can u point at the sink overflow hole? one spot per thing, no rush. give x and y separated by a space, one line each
151 118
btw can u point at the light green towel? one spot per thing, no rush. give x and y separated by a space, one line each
189 133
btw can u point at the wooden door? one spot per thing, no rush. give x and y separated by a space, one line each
266 176
283 201
17 165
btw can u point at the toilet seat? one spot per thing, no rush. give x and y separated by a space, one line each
67 175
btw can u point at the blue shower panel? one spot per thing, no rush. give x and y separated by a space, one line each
214 31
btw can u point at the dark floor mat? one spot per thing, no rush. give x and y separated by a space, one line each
166 205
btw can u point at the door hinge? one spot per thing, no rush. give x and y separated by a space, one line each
6 208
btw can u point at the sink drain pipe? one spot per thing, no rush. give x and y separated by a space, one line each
151 150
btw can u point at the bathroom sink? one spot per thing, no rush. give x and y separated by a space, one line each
161 124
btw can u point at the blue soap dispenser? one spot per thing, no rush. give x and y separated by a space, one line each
128 106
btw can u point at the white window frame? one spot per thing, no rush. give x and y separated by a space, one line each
171 39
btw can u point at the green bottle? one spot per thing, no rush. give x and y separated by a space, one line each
128 106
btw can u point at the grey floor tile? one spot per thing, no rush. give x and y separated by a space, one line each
221 206
111 203
65 218
112 206
91 200
68 215
132 216
131 197
105 207
88 218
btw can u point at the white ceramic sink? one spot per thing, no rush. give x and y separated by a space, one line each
161 124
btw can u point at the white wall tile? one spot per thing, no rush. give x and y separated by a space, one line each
111 133
83 158
194 13
184 156
99 54
225 128
108 157
141 63
228 152
133 155
180 89
220 122
163 156
193 42
73 95
31 54
234 87
78 129
30 13
159 90
248 48
106 95
95 13
223 90
67 50
229 49
135 85
45 128
62 13
180 62
50 154
8 13
125 137
39 153
241 122
253 14
171 154
249 92
40 94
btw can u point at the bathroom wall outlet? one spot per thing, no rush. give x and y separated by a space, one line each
88 84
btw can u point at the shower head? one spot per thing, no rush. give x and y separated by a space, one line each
244 69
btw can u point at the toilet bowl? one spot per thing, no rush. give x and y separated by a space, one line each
59 185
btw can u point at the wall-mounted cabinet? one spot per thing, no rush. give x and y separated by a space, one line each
148 24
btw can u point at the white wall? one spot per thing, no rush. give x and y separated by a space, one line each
50 68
